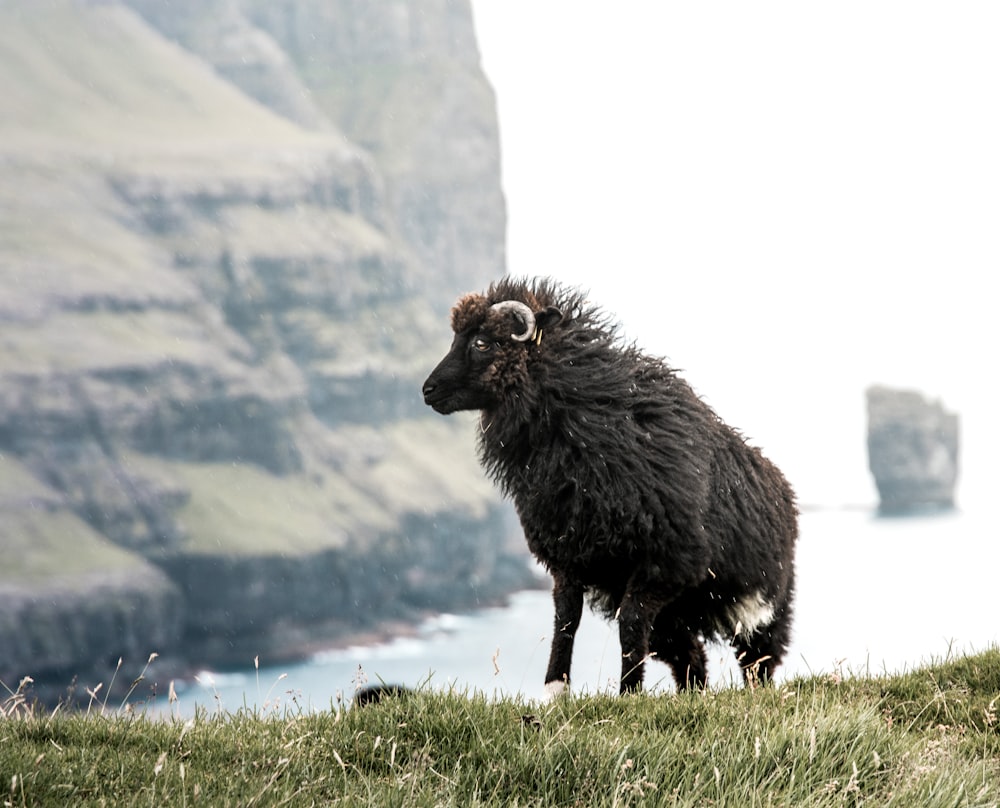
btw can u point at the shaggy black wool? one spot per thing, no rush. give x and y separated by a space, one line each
630 489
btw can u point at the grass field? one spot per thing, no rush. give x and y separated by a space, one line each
925 738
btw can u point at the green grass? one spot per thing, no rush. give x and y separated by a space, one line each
74 341
45 545
429 465
388 108
36 551
96 74
926 738
241 509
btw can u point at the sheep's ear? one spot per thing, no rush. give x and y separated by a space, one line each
547 317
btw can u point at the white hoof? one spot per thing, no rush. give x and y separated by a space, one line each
555 689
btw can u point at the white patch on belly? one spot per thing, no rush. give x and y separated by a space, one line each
555 689
749 614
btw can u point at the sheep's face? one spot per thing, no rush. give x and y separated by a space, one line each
489 355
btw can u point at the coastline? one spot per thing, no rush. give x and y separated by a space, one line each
148 679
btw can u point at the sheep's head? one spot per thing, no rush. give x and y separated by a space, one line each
489 355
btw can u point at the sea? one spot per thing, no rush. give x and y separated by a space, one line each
874 595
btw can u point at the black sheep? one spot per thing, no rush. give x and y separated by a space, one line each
630 489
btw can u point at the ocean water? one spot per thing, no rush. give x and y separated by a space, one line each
873 595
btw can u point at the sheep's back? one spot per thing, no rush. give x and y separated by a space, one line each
632 468
620 476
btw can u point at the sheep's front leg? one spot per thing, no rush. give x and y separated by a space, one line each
635 624
567 596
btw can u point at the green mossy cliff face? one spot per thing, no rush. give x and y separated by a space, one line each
229 237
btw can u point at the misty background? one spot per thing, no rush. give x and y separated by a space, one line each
229 242
790 203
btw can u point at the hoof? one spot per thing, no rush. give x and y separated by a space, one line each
555 689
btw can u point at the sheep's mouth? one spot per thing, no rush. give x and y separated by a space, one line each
438 400
442 407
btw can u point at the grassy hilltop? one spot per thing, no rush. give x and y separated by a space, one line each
926 738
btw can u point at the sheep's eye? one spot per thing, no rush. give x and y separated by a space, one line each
481 345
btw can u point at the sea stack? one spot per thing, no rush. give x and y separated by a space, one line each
912 451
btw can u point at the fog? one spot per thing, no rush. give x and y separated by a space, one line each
788 202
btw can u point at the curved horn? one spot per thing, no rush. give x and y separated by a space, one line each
523 312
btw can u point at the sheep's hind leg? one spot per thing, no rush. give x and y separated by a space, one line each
635 620
682 650
761 652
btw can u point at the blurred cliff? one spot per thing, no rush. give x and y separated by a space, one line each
913 451
230 231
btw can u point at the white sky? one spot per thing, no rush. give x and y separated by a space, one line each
790 201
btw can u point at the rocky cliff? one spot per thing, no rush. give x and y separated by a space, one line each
228 233
912 451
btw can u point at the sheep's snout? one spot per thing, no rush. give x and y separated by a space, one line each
455 383
443 394
433 397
